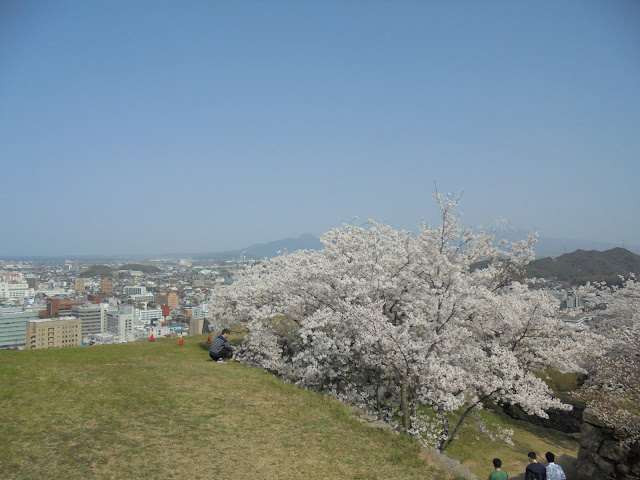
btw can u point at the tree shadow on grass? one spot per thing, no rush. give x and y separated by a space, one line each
568 464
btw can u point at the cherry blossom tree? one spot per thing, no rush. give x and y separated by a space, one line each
612 390
406 324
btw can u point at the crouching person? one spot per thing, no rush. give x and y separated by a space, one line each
220 347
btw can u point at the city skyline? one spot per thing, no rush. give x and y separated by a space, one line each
150 127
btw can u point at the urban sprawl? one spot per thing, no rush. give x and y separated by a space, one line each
50 306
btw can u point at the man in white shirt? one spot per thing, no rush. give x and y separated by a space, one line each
554 471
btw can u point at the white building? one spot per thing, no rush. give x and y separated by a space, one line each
119 322
199 311
16 291
144 316
143 297
134 290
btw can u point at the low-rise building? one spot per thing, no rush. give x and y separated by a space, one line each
16 291
143 297
145 316
58 307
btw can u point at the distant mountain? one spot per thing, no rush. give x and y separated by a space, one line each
552 247
582 266
269 249
546 246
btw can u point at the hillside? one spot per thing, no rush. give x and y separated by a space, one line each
160 411
97 271
140 268
581 266
107 271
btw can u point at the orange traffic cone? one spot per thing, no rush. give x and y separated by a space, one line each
152 339
209 339
180 342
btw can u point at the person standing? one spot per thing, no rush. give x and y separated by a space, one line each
534 470
220 347
498 474
554 471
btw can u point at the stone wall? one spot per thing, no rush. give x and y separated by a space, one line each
602 455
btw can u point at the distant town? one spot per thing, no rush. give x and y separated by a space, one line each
45 304
75 303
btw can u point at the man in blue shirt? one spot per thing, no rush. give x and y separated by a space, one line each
534 470
220 347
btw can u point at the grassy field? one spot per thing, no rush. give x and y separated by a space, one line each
162 411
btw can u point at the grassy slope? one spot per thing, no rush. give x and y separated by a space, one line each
158 410
476 451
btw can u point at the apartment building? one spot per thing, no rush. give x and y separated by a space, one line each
54 333
106 287
169 298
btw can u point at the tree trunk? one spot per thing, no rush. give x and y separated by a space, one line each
444 434
404 405
452 436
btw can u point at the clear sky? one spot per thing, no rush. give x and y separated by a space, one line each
143 127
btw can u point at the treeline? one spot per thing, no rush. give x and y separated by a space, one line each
107 271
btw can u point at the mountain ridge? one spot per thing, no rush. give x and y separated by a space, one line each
583 266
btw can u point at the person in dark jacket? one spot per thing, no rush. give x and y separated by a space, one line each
220 347
534 470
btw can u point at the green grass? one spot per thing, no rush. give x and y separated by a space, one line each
160 411
476 451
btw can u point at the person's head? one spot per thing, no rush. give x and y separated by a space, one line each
550 457
532 456
497 463
225 332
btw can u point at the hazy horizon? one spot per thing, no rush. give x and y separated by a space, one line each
134 128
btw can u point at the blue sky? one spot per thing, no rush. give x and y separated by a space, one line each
141 127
